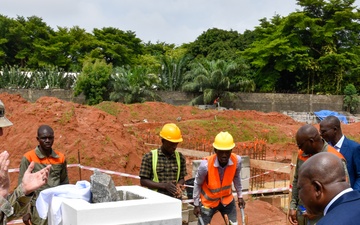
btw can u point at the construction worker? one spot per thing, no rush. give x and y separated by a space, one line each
310 142
16 204
213 182
43 155
164 169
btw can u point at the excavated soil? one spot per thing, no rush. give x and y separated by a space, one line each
116 141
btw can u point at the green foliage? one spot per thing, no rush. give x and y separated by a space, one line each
313 50
351 98
310 51
51 77
212 79
172 72
13 78
94 81
216 44
149 61
116 46
131 85
46 78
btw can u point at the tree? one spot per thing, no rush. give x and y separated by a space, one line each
172 72
132 85
351 98
32 35
212 79
116 46
216 44
308 51
94 81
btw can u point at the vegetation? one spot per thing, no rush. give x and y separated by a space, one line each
213 80
133 85
94 81
351 98
314 50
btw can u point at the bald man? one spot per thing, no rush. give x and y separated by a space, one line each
323 188
310 143
330 130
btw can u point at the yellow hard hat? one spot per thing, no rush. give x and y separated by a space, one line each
224 141
171 132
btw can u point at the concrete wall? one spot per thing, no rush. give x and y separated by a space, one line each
268 102
285 102
32 95
265 102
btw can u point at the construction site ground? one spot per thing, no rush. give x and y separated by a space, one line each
114 136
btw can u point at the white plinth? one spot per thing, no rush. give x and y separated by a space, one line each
143 206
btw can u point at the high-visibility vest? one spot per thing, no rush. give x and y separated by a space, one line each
332 150
213 191
154 164
329 149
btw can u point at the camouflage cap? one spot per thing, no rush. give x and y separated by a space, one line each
4 122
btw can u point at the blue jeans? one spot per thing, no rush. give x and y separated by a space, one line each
208 213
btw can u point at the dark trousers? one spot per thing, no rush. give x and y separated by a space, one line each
208 213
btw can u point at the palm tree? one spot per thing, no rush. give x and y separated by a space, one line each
213 79
172 72
131 85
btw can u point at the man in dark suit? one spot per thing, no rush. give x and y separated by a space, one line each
323 189
330 130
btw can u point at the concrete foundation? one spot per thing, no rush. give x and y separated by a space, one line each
138 206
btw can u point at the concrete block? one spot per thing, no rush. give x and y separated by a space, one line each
150 204
185 216
192 217
245 161
245 175
195 166
273 200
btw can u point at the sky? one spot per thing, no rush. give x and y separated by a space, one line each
169 21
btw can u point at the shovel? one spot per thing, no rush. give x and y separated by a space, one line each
242 216
201 220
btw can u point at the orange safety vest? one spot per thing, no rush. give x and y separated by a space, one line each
212 191
329 149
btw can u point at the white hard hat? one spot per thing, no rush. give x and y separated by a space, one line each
4 122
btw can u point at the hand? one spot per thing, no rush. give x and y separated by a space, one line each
309 216
26 219
32 181
4 175
241 203
197 211
292 216
171 187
